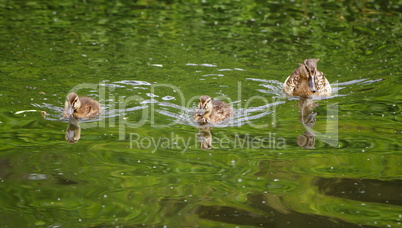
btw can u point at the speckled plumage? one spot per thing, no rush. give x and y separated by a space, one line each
81 107
212 111
299 83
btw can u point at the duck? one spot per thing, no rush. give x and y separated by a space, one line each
307 80
81 107
212 111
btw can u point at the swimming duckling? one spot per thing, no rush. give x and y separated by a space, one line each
81 107
212 111
307 80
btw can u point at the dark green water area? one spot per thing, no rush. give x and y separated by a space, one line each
141 163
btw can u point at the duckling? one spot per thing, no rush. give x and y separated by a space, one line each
212 111
81 107
307 80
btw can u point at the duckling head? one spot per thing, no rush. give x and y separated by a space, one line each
205 107
311 70
73 103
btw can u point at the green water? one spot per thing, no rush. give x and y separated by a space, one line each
147 62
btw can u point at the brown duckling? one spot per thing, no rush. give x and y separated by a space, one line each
212 111
81 107
307 80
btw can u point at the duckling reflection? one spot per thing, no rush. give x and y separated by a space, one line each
73 132
205 137
210 112
307 118
77 108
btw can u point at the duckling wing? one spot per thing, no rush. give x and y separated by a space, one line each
222 110
89 108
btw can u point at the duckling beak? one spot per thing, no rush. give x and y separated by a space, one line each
70 110
311 84
201 112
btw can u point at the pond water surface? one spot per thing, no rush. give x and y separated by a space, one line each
142 162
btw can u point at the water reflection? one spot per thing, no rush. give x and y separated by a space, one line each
308 118
366 190
205 137
73 132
